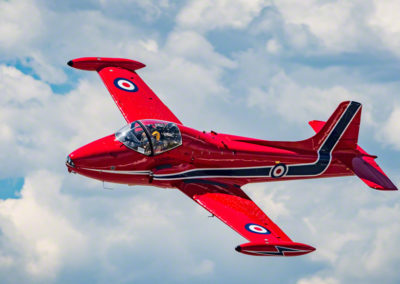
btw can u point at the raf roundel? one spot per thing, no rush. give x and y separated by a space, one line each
125 85
254 228
279 170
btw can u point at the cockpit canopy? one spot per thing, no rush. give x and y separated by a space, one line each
150 137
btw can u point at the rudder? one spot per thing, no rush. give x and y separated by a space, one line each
341 129
361 163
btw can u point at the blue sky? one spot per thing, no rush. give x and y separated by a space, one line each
254 68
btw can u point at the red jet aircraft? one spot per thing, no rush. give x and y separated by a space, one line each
155 148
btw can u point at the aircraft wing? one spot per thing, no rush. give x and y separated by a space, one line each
133 97
231 205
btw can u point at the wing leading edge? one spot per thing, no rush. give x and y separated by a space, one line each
232 206
133 97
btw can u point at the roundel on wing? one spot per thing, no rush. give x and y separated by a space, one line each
279 170
254 228
125 85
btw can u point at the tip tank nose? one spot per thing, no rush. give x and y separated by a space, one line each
275 249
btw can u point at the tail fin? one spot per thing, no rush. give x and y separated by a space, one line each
362 163
338 135
341 129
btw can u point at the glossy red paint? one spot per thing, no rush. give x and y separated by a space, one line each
156 149
276 249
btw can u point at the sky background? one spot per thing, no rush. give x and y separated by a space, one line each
253 68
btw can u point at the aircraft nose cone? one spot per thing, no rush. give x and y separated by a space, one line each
98 154
69 162
87 156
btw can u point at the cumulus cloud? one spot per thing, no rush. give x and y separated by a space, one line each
318 280
390 131
295 102
208 15
273 46
35 226
66 228
45 234
42 143
385 23
273 202
338 25
333 27
50 37
350 226
26 106
16 32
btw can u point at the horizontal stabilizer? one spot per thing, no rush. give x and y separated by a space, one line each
275 249
364 166
370 173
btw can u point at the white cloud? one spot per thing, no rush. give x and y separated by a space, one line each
391 129
41 234
195 47
48 231
385 22
273 46
340 26
44 69
150 45
15 27
208 15
149 10
34 119
48 38
187 64
55 128
70 226
351 234
294 102
204 267
270 200
318 280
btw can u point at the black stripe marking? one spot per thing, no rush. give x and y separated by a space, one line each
324 153
312 169
280 251
246 172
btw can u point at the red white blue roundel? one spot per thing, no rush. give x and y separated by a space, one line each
125 85
279 170
254 228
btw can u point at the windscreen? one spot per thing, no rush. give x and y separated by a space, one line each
150 137
134 137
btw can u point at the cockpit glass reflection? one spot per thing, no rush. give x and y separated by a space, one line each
150 136
134 137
